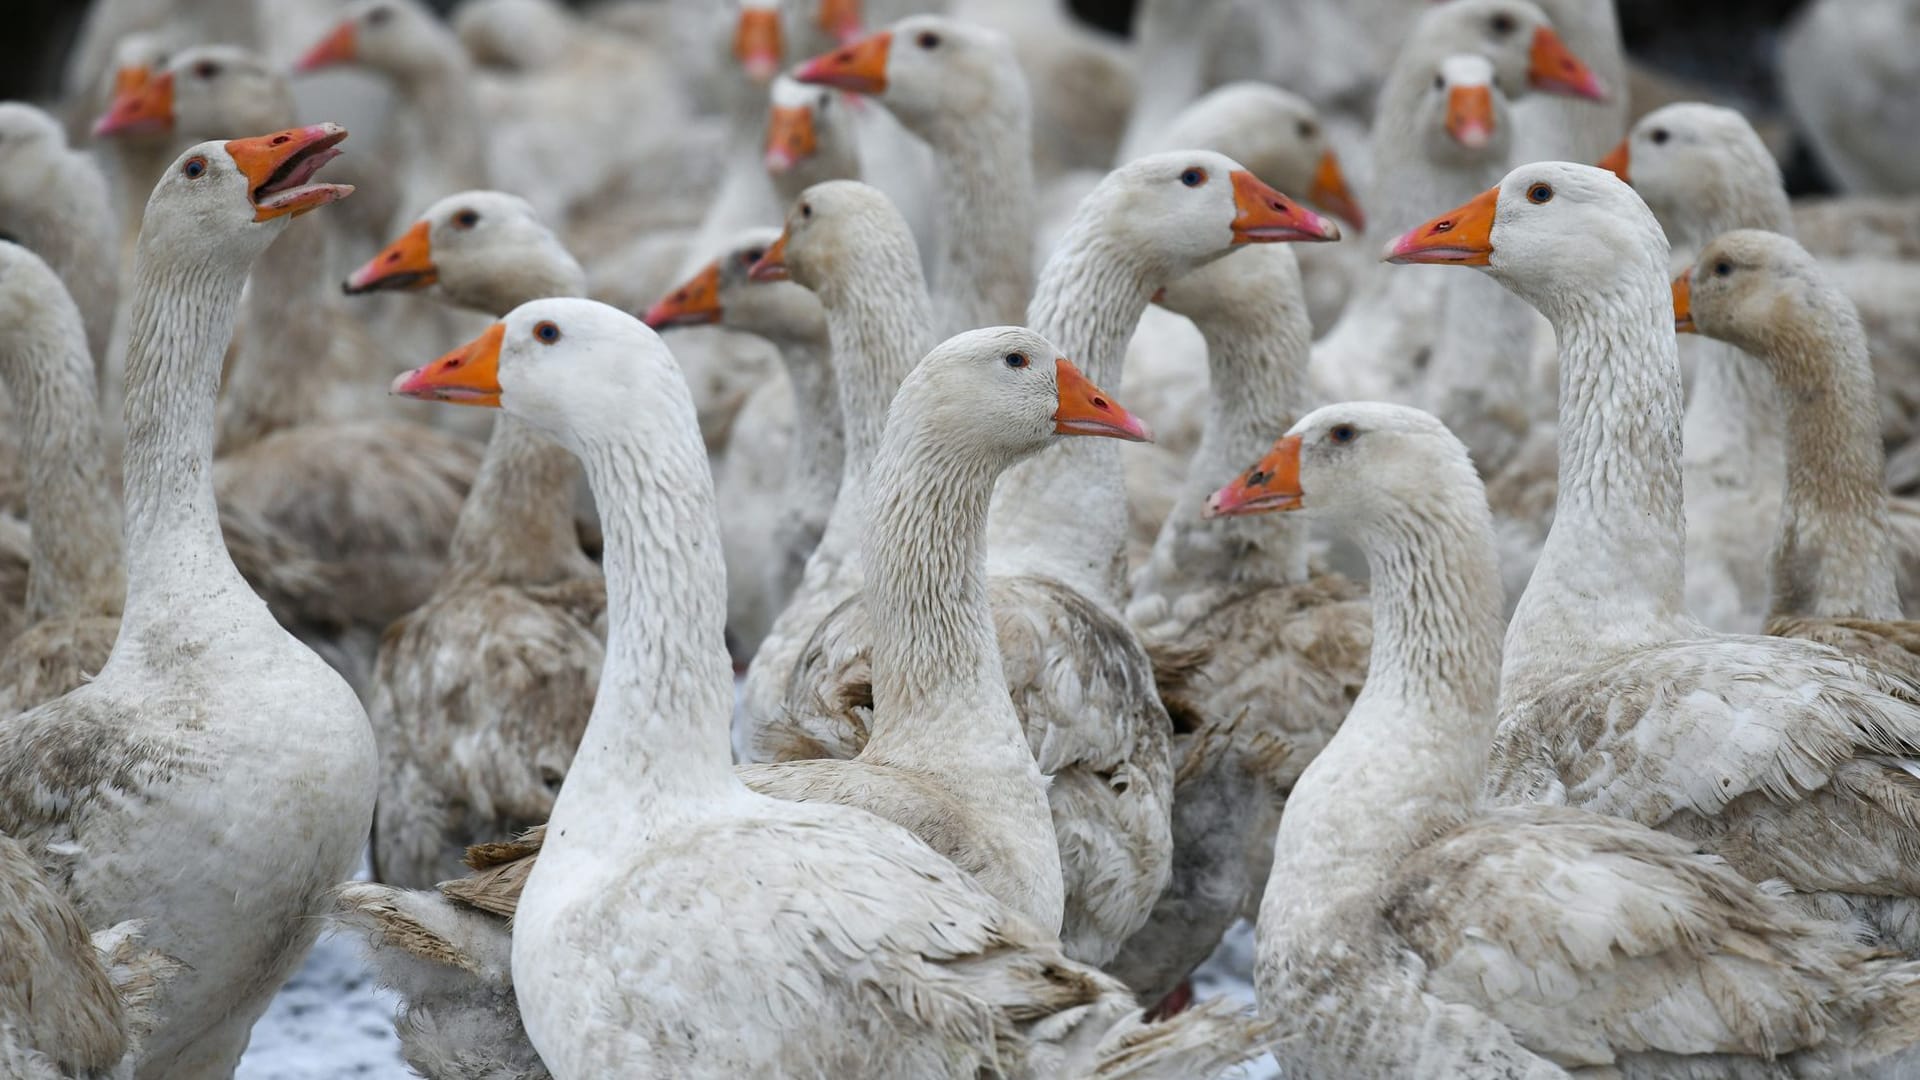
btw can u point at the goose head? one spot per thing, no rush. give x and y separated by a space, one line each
579 370
1751 287
1277 135
1463 118
394 37
204 91
229 200
484 249
1517 37
1354 463
759 43
1697 165
930 71
1558 234
1184 208
1003 393
724 291
810 137
33 152
830 230
34 306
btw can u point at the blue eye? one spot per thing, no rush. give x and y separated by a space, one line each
1016 360
547 332
195 168
1342 433
1194 177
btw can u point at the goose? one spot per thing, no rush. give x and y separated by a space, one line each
479 694
1260 654
1170 41
976 996
812 454
1850 82
810 138
55 201
71 1003
216 779
1558 127
1081 680
77 578
1833 572
1616 948
958 87
1745 736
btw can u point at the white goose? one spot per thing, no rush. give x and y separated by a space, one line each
1406 931
629 868
217 778
1613 698
55 200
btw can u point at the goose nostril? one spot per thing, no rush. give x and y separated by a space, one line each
1443 226
278 140
1256 478
1100 403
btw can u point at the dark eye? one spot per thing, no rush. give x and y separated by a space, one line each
1439 82
806 210
1016 359
1722 268
820 103
206 69
1658 135
1342 433
753 255
379 15
1540 193
1502 25
1308 129
928 40
195 168
466 219
547 333
1194 177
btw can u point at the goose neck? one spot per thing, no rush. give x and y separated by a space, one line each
1480 377
517 525
283 374
819 449
986 172
1171 45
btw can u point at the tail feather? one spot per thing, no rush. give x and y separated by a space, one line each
137 973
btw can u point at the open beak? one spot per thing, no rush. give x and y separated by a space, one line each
756 42
1470 115
860 67
1462 237
697 303
279 166
1272 484
1617 158
469 375
142 104
339 47
1264 216
1330 192
790 137
773 263
840 19
1086 410
407 263
1554 69
1683 303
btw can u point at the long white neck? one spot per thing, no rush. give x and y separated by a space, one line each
1411 756
183 314
746 198
818 457
1064 514
1256 369
1611 574
656 743
78 564
986 170
447 128
283 373
1480 379
73 226
1171 42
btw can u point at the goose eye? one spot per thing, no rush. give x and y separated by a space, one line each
752 256
1016 360
195 168
928 40
1342 433
1307 129
379 15
1502 24
466 219
206 69
806 210
1722 268
1439 82
546 333
1194 177
1540 193
1658 135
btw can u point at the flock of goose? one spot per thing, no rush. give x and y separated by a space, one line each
1547 701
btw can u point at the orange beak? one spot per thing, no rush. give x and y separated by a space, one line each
407 263
279 166
1683 303
790 137
1462 237
1553 68
840 19
142 104
1617 158
860 68
773 263
756 42
1330 192
1263 215
1085 410
1470 115
339 47
1272 484
469 375
697 303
